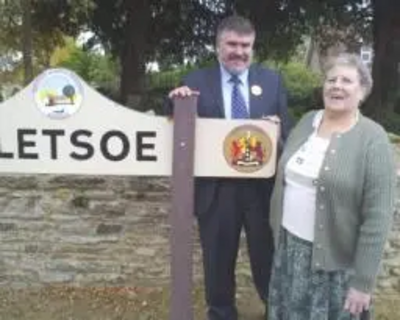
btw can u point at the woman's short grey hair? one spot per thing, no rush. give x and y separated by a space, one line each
353 60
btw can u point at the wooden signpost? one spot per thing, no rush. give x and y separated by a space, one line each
182 209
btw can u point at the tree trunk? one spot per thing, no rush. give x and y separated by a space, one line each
133 53
27 40
386 57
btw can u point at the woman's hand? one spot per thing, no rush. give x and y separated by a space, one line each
356 301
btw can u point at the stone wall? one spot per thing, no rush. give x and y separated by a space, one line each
104 231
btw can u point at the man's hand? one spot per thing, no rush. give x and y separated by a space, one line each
357 301
183 92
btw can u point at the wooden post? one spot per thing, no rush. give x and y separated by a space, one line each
181 215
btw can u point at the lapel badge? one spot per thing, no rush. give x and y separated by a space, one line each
256 90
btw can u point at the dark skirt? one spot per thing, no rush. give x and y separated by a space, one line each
297 292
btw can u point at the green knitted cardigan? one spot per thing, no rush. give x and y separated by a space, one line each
355 199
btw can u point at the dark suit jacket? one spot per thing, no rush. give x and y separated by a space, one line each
272 101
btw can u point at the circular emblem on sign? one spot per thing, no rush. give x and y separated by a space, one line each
58 93
247 149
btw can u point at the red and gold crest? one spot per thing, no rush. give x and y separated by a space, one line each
247 148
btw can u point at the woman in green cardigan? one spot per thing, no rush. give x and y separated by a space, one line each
332 205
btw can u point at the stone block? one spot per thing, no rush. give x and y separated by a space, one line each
106 229
5 227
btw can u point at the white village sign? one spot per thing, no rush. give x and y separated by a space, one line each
60 125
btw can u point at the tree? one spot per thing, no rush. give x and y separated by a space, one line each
386 35
136 32
10 18
350 22
173 31
139 31
35 27
53 21
26 40
375 22
69 92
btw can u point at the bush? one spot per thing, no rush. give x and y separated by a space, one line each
390 121
100 71
167 79
303 86
299 80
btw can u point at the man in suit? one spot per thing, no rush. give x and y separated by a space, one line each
234 88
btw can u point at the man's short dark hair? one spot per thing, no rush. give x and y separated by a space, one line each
236 24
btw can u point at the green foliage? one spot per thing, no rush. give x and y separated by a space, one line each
300 81
167 79
66 16
389 120
98 70
10 23
173 29
302 84
279 25
51 21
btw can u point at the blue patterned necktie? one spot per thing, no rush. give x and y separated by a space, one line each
239 110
